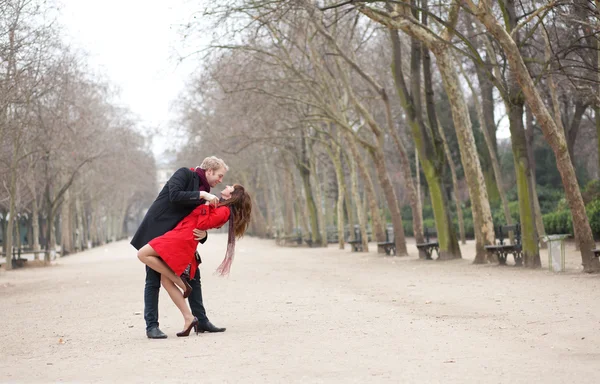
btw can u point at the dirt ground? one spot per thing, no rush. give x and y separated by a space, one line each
304 315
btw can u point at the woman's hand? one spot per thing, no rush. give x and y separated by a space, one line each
210 198
199 234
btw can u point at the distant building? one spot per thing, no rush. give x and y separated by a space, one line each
165 167
162 176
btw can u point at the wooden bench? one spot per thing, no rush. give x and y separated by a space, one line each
426 249
332 235
503 248
294 238
16 260
389 245
356 244
596 252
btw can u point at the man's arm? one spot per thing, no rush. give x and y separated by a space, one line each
177 192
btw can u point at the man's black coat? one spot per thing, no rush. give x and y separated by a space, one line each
178 198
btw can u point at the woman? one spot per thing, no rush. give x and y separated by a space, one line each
172 253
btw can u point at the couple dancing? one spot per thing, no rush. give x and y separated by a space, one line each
169 234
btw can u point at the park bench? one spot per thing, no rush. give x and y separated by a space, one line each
503 248
332 235
308 241
295 238
16 260
357 242
389 245
596 252
426 249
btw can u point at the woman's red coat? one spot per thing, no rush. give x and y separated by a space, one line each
177 246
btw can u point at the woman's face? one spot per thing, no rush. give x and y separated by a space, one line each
226 193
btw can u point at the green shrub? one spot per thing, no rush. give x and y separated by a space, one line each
558 222
593 214
591 192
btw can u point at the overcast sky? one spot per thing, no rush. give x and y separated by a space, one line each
133 44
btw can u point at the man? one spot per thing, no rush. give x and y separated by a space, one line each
183 192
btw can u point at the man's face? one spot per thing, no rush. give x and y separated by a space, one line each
226 193
215 177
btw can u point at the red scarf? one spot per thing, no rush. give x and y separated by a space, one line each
204 186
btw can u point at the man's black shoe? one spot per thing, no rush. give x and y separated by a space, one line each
207 326
155 333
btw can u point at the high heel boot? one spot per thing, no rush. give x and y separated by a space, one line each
188 288
186 332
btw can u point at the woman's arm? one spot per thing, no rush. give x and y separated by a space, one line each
211 217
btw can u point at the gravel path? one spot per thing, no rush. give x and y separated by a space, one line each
304 315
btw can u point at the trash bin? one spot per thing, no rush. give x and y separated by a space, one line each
556 252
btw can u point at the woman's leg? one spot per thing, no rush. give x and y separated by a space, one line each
148 256
179 301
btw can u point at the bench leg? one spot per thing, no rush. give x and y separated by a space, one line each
501 258
425 254
357 248
518 259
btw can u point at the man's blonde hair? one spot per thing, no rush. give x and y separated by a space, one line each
213 163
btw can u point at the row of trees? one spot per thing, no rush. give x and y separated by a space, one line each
323 108
72 163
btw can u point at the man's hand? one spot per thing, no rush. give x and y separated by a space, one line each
210 198
199 234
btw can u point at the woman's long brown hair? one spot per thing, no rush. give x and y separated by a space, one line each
240 205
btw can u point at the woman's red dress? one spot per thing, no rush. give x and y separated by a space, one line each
177 246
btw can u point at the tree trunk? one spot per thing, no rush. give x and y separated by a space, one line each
482 216
529 137
515 105
551 132
459 212
12 212
597 112
288 220
436 164
490 142
390 196
369 186
429 155
572 127
336 159
50 234
271 204
597 108
531 255
360 212
35 226
418 188
66 231
304 169
319 197
488 127
411 190
258 218
82 238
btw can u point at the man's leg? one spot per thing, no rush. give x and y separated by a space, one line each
197 306
151 292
